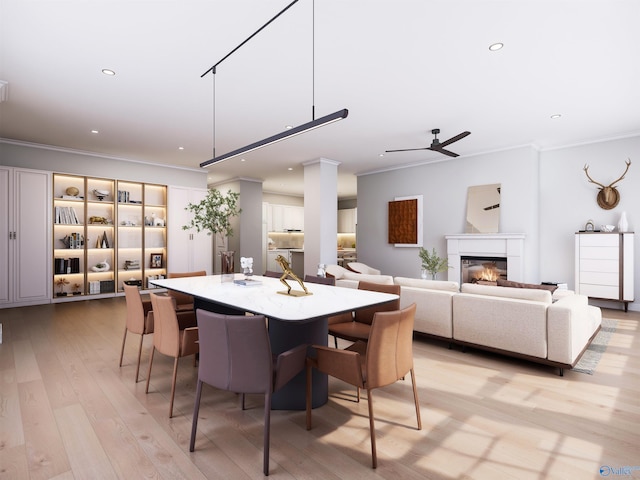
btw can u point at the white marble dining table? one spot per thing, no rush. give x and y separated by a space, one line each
292 320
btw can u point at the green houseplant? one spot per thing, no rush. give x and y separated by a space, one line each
432 263
213 214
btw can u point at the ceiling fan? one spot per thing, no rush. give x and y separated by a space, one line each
436 145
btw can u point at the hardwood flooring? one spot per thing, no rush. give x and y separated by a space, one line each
68 412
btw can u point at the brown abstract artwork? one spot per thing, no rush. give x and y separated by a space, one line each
403 221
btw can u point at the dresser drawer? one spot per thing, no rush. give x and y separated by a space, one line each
599 240
599 291
611 253
599 278
596 265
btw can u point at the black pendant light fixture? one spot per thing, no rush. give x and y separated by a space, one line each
291 132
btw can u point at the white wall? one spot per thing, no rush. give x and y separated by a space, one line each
80 163
545 195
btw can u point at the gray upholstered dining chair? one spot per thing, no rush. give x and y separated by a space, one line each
235 355
386 358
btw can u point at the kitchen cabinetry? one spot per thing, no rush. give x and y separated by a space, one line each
604 266
25 248
347 219
285 217
190 251
106 232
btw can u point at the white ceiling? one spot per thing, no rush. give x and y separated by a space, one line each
402 68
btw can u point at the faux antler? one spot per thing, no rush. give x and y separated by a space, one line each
628 162
586 170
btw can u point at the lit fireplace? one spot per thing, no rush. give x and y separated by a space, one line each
483 269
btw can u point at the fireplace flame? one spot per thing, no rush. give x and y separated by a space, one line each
489 273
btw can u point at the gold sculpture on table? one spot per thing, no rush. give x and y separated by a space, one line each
286 272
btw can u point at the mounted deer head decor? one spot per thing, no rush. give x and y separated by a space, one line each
608 196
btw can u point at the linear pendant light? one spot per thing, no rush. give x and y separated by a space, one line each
292 132
313 124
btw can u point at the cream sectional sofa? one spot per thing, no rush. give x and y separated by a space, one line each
521 322
525 323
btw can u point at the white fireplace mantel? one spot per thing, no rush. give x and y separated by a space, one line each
499 245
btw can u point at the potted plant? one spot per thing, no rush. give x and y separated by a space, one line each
432 263
213 215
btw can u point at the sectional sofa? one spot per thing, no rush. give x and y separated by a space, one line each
526 323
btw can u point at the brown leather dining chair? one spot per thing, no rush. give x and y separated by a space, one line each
320 280
169 339
354 327
386 358
139 320
183 301
235 355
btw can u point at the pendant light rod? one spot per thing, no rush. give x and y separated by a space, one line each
213 68
320 122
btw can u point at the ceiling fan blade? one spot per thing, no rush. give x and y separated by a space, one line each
454 139
407 150
443 151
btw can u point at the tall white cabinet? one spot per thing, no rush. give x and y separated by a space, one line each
25 239
604 266
190 251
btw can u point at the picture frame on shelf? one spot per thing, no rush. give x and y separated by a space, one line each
156 260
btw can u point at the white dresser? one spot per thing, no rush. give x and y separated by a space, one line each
604 266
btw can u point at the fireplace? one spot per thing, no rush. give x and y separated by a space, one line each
508 247
483 269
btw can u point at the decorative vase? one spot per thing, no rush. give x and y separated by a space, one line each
623 224
227 265
423 274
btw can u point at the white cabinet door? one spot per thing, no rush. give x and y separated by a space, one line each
25 246
188 251
347 220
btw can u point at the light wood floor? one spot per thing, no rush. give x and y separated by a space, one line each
68 412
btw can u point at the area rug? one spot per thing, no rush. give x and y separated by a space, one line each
589 360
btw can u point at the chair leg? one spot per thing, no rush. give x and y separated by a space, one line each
173 386
372 428
242 397
153 350
267 431
139 356
415 398
196 412
308 399
335 341
124 339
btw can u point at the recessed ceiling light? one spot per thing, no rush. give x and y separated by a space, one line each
108 71
180 148
288 127
243 160
95 131
381 155
556 115
290 168
496 46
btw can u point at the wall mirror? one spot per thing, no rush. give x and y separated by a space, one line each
483 209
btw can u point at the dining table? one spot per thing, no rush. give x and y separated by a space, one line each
293 319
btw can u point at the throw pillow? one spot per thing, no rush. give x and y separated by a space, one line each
508 283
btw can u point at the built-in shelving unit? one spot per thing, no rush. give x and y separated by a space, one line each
104 234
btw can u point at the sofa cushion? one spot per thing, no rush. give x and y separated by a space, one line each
535 295
427 284
509 324
509 283
383 279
